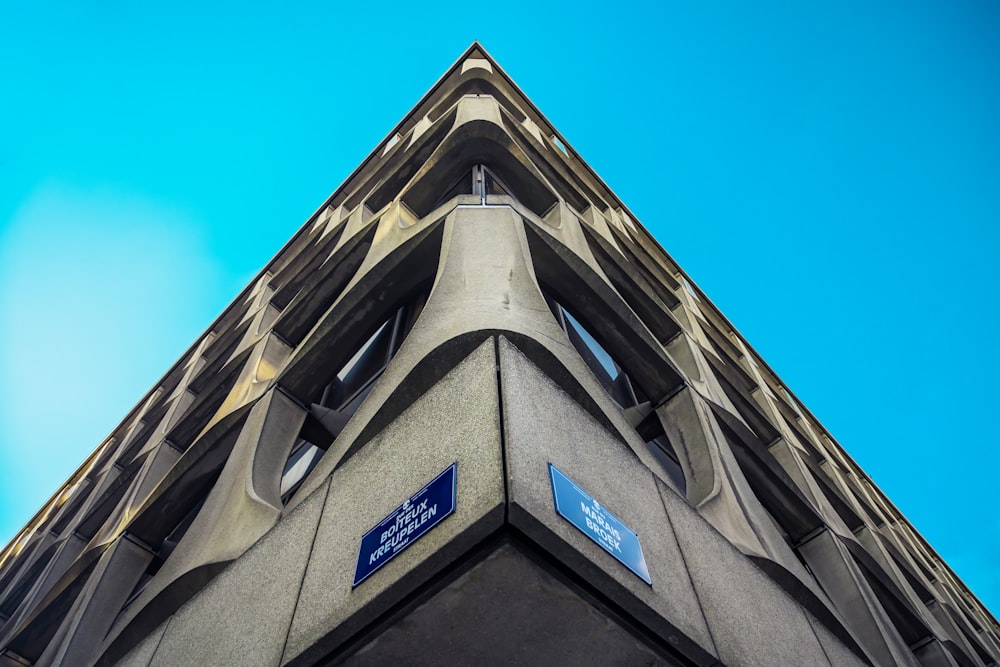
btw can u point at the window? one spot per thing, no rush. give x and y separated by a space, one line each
392 142
690 289
479 181
345 393
611 376
491 184
166 548
560 145
651 431
620 387
301 461
463 186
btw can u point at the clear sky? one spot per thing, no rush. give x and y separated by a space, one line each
828 173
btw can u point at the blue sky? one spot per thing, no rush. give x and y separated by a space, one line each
828 173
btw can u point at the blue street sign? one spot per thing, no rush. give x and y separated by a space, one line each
407 523
596 522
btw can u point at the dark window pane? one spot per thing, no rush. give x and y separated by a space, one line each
610 375
660 448
493 184
462 186
594 349
368 362
304 458
345 393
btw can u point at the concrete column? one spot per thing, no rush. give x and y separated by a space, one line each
846 586
79 637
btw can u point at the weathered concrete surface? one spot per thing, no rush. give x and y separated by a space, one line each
243 616
506 611
750 617
79 636
543 425
457 420
142 654
843 581
837 653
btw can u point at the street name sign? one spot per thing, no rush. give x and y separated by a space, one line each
596 522
407 523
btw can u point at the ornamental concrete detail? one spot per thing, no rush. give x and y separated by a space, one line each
474 299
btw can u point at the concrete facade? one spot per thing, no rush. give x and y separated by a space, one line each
473 294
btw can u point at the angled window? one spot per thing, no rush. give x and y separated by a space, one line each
651 431
303 458
463 186
607 371
480 180
345 393
492 185
621 388
166 548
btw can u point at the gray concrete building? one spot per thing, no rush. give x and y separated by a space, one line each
473 414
